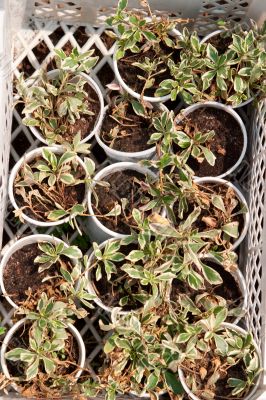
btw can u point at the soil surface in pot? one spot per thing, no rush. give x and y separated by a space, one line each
226 145
38 209
211 217
124 184
221 43
86 123
40 386
229 289
221 391
130 73
121 285
128 134
21 273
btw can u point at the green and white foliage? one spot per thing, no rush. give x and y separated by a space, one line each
222 347
136 359
45 183
232 77
54 104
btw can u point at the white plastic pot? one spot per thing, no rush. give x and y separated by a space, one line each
253 390
52 75
246 216
120 156
229 110
97 231
12 331
19 244
27 158
240 280
149 99
204 40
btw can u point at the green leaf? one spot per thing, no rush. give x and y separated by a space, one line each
122 4
239 84
116 210
211 275
31 122
152 381
15 354
173 382
218 202
32 370
49 365
66 158
72 252
231 229
138 108
67 179
135 255
149 36
133 273
66 275
220 318
212 53
208 154
56 215
90 166
221 345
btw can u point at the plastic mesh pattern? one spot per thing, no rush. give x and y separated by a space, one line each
215 10
35 49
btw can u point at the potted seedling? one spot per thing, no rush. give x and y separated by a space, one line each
130 273
136 362
212 137
233 77
204 139
127 127
42 263
204 294
215 204
48 186
227 210
110 205
63 102
217 359
43 355
142 49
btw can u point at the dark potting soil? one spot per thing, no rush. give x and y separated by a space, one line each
133 133
229 289
122 184
86 123
129 72
221 43
21 273
120 285
66 196
21 339
203 221
226 145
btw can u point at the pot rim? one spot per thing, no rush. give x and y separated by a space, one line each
17 325
240 196
27 158
150 99
93 84
257 349
233 113
19 244
119 166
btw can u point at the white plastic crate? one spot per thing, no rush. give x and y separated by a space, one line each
39 26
